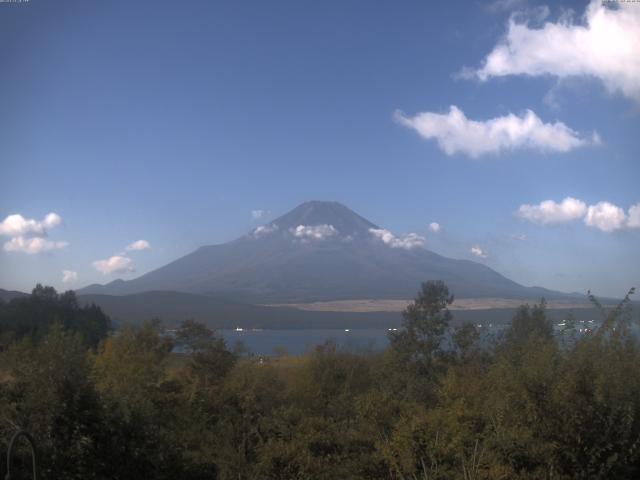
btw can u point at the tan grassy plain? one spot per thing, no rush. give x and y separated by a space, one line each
372 305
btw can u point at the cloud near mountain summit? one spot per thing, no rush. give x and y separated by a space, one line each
408 241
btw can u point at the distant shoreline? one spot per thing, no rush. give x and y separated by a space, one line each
373 305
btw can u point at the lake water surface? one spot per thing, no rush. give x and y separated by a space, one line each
299 341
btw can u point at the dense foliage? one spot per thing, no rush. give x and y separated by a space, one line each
433 405
32 316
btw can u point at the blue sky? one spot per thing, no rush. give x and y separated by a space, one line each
171 122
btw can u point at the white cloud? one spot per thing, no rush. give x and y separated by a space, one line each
120 262
519 236
548 212
314 232
264 230
478 252
115 264
18 226
51 220
29 235
604 45
258 214
32 245
633 220
69 276
606 217
408 241
138 245
434 227
455 133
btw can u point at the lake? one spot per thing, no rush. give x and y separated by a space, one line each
299 341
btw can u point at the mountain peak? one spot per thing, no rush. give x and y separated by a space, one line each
292 263
316 212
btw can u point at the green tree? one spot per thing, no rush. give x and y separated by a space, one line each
143 404
465 338
51 396
322 431
416 351
425 322
250 394
209 360
529 322
32 316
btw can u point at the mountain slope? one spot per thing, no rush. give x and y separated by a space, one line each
319 251
7 295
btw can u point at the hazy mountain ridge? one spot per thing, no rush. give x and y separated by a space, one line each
7 295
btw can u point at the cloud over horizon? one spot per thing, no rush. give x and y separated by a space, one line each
120 262
604 216
16 225
633 220
455 133
434 227
28 235
114 264
69 276
138 245
548 211
604 45
32 245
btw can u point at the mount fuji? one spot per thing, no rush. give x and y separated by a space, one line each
320 251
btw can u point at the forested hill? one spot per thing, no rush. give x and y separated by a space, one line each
6 295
